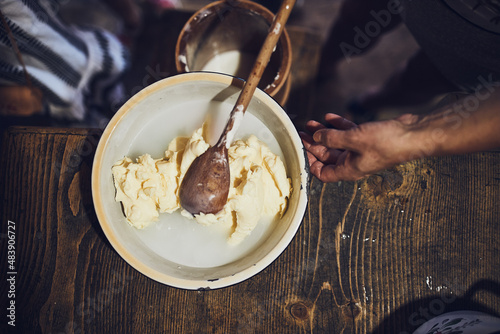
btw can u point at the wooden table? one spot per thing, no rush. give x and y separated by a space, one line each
380 255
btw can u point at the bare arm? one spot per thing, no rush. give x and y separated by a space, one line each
351 152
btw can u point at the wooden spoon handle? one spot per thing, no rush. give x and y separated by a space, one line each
258 68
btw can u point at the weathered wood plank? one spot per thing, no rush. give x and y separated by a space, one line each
414 243
380 255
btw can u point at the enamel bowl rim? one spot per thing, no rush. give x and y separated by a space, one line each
196 284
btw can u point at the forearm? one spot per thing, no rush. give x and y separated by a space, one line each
352 152
472 124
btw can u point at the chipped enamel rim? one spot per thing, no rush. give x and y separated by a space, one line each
199 278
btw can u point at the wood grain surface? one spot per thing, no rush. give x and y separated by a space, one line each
379 255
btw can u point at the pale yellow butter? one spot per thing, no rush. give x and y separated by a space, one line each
259 185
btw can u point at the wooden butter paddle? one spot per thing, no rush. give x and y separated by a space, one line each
205 186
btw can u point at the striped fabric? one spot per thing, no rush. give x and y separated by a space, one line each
76 68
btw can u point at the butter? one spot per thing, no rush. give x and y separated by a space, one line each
259 185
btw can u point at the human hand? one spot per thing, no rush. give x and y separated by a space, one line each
350 152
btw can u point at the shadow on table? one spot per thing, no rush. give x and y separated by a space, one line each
414 314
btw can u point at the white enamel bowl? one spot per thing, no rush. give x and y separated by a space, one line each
177 251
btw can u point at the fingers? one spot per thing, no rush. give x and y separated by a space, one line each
333 173
308 142
320 152
325 173
332 138
339 122
336 121
306 139
328 148
311 158
313 126
335 139
408 119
